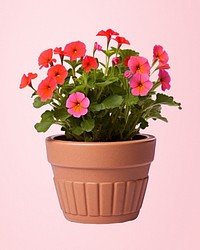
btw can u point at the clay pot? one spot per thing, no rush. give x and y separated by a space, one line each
101 182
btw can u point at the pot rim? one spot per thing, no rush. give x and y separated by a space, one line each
148 138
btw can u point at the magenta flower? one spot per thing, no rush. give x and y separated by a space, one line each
128 74
163 66
77 104
139 64
116 60
140 84
160 54
97 46
164 79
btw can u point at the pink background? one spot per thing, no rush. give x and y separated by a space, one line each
30 217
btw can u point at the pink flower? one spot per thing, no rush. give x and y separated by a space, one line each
128 74
75 50
58 72
116 60
89 63
46 88
160 54
163 66
164 79
140 84
77 104
97 46
45 59
139 64
26 80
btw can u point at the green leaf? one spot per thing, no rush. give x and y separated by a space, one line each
61 114
39 103
107 82
160 117
155 113
77 130
113 101
96 107
131 100
79 88
127 52
88 125
46 122
143 123
109 53
167 100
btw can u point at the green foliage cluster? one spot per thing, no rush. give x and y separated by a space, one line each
114 113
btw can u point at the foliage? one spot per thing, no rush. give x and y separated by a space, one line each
97 101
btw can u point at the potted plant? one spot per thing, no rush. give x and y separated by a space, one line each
101 160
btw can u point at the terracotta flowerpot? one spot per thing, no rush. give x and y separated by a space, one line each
101 182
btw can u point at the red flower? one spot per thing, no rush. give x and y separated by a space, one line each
108 33
26 80
121 40
60 52
164 79
139 64
45 59
75 50
89 63
126 61
58 72
46 88
160 54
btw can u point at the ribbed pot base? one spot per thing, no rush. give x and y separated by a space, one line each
101 219
101 183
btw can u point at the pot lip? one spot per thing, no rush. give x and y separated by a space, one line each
148 138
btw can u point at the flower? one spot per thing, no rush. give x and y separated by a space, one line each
108 33
75 50
164 79
140 84
160 54
46 88
116 60
97 46
26 80
58 72
60 52
45 59
100 100
126 61
77 104
139 64
89 63
128 74
121 40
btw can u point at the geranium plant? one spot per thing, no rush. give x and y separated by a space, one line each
101 101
